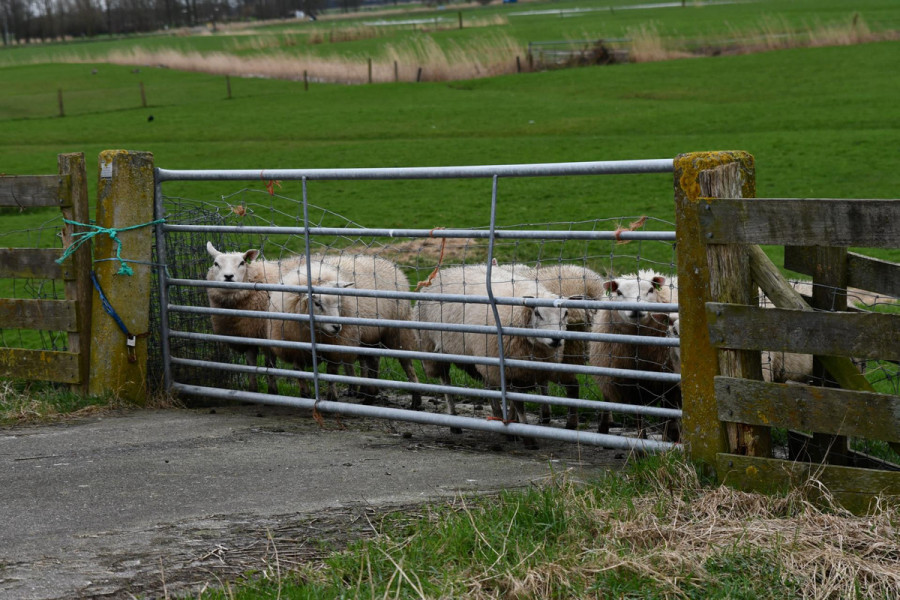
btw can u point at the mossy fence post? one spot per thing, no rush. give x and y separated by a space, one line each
124 199
711 272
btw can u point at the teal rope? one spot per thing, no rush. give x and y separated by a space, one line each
85 236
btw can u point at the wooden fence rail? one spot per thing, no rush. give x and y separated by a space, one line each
67 191
729 412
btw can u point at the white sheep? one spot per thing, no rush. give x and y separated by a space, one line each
325 305
365 273
645 286
574 282
243 267
472 280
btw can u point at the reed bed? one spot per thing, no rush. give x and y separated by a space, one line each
485 57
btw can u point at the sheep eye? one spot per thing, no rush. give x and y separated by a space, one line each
216 265
538 315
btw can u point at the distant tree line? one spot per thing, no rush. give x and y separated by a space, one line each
24 21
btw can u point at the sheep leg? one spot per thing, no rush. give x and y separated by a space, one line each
412 378
451 401
544 390
519 410
369 367
271 382
250 355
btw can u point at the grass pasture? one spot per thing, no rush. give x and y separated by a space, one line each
821 122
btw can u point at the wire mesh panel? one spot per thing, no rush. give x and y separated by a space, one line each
340 311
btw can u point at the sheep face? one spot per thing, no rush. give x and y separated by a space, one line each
674 331
229 266
325 305
643 287
549 319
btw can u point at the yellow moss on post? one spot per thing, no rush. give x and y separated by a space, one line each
703 435
124 199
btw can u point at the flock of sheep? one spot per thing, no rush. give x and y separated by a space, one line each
559 281
512 281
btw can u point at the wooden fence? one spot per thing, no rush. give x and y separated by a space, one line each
66 190
729 412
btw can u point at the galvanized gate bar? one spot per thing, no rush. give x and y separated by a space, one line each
589 304
426 418
666 236
640 340
483 394
613 167
442 357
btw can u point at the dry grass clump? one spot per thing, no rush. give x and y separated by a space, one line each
486 56
656 532
772 33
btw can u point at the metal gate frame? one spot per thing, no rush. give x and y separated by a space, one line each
493 172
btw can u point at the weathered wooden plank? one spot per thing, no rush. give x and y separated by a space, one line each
42 365
856 334
49 315
851 486
881 277
818 409
769 278
730 281
30 191
802 222
78 267
30 263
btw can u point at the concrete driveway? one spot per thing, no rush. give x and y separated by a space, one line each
144 503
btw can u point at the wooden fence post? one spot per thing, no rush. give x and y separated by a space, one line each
228 86
59 100
77 273
143 96
703 434
124 199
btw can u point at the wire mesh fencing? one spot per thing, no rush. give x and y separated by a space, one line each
485 373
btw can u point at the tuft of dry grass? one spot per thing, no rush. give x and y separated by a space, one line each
771 33
655 531
486 56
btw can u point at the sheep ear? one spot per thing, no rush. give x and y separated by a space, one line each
610 286
658 281
250 255
212 250
661 318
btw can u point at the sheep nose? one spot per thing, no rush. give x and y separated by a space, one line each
229 277
335 329
636 315
555 343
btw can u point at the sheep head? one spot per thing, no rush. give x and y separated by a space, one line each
324 305
643 287
546 319
229 266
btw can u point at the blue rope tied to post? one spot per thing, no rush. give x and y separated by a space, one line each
130 338
84 236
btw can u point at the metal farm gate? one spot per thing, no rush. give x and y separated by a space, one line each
193 361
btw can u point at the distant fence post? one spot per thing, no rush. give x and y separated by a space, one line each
124 199
59 99
228 86
143 96
704 175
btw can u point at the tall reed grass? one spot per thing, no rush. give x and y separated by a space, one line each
486 56
770 33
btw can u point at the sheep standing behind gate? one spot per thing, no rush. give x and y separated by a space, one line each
242 267
575 282
472 280
363 272
645 286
